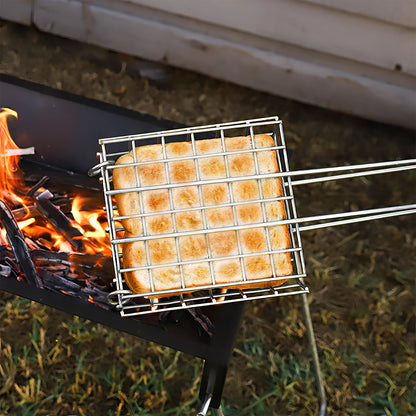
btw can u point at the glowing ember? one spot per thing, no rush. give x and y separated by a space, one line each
90 223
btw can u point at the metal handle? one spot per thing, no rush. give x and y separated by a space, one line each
399 165
360 216
95 170
355 216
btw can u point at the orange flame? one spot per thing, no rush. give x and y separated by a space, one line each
9 168
91 223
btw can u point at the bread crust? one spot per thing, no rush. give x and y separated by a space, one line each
207 245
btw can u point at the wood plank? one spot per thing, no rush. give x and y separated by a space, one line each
305 24
400 12
19 11
268 71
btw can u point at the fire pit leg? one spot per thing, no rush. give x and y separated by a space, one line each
212 385
315 358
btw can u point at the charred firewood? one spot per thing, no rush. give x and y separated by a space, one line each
7 261
60 222
97 282
18 245
36 186
84 259
88 266
46 194
5 270
97 294
45 257
26 212
202 320
64 202
56 281
44 244
15 272
62 257
10 198
61 270
101 268
31 245
84 291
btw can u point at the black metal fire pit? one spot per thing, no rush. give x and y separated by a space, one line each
64 129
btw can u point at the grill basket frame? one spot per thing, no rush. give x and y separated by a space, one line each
132 304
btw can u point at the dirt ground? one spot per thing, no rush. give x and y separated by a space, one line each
361 276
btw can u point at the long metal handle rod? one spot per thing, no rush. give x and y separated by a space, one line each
352 175
355 167
263 149
359 219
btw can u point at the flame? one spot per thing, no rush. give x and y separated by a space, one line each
91 299
25 223
21 225
91 223
222 298
10 174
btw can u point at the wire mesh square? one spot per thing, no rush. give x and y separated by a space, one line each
200 213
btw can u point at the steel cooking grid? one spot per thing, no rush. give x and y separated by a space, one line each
135 304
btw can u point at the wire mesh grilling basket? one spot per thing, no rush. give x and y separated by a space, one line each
184 294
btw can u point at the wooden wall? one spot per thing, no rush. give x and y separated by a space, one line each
355 56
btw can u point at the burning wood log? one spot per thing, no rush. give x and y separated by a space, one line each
45 257
60 222
18 245
7 264
202 321
88 266
28 211
36 186
61 284
15 272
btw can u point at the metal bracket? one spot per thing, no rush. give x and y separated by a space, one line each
95 170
